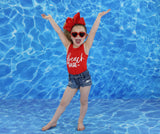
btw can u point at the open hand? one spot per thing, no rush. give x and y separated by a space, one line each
45 16
103 13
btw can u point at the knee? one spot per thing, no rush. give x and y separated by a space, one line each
84 101
63 104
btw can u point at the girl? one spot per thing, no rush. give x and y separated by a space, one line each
77 53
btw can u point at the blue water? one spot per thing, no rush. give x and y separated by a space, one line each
103 117
124 64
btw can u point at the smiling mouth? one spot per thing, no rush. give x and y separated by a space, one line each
78 41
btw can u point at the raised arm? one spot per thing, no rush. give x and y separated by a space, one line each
93 31
62 36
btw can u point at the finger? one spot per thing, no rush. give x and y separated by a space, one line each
43 15
107 11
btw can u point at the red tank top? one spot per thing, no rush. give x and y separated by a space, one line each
76 60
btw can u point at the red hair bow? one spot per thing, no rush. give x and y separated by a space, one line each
71 22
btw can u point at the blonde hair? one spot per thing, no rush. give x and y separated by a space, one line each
68 34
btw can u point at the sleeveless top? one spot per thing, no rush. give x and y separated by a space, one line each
76 60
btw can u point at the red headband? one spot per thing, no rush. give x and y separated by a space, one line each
71 22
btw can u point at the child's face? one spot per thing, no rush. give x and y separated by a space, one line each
79 38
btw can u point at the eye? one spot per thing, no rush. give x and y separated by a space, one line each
74 34
82 34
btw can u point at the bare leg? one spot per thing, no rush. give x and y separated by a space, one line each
84 91
67 97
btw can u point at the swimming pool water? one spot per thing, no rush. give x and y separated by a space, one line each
117 116
124 63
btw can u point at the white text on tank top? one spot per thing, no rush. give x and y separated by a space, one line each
74 61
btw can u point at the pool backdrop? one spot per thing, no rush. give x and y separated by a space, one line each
124 61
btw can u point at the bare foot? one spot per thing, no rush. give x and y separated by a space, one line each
80 127
49 125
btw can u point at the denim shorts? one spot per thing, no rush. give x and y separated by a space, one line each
80 80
